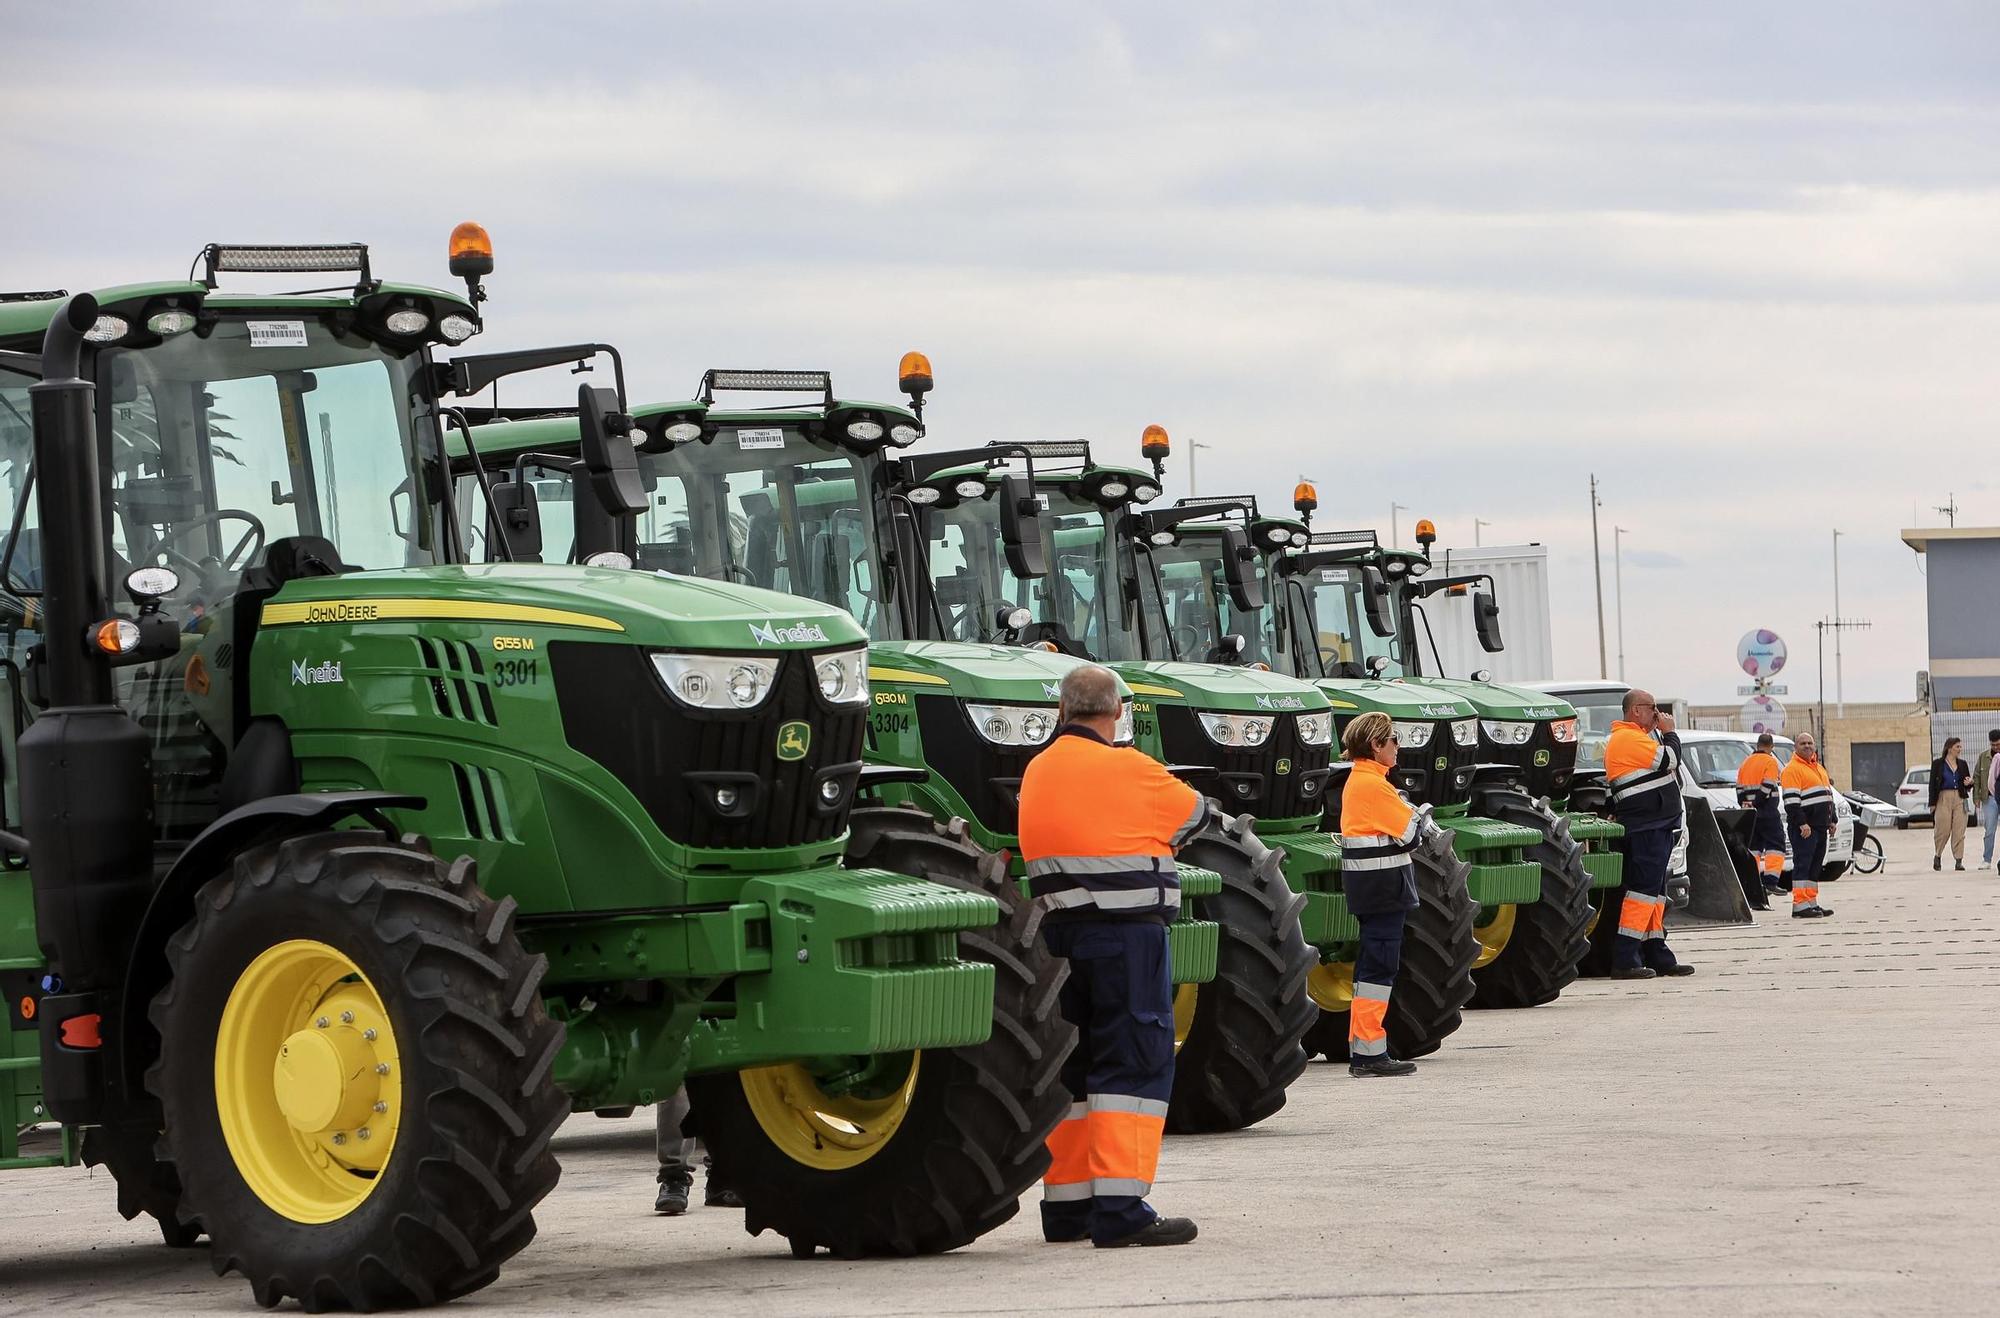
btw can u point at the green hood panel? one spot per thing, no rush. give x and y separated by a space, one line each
647 608
975 672
1396 699
1492 700
1223 688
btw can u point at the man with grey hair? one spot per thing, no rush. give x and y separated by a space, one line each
1100 823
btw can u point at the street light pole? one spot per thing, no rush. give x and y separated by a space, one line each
1839 690
1478 522
1597 571
1395 527
1194 489
1618 580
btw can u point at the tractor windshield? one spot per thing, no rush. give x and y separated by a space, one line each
1332 624
1078 605
1184 585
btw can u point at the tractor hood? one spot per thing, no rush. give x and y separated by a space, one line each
1220 688
646 608
1492 700
1402 700
1010 673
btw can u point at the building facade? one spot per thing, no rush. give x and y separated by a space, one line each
1962 598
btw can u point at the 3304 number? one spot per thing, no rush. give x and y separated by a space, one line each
517 672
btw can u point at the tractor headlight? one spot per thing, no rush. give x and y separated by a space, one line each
922 494
1013 725
682 432
1316 729
970 489
1506 732
170 322
1123 734
1465 732
1113 490
864 430
1564 730
1395 567
902 436
1145 493
717 681
1419 566
1278 535
457 329
843 677
108 328
407 321
1412 736
1236 729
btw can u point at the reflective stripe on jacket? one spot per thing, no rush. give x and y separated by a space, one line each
1757 781
1644 776
1378 833
1099 827
1808 794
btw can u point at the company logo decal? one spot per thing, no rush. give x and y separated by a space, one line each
1284 767
342 612
892 697
794 740
513 642
1438 711
1544 711
307 673
1281 702
1052 690
1442 762
1541 759
799 633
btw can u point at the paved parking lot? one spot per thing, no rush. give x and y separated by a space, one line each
1805 1126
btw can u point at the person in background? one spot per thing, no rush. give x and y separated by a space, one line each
676 1154
1758 790
1951 782
1808 791
1642 767
1985 797
1379 829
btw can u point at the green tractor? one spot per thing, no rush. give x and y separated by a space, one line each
1352 613
1173 598
813 498
341 868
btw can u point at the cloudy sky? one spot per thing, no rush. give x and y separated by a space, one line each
1738 260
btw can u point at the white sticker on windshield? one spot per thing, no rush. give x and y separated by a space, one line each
1334 574
1043 499
277 334
760 439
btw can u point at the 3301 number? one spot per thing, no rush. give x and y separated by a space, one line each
517 672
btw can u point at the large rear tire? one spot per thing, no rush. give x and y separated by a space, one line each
1550 936
355 1072
1242 1048
1434 982
939 1160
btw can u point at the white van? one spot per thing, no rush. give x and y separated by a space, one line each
1709 761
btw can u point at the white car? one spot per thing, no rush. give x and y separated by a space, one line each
1709 761
1913 797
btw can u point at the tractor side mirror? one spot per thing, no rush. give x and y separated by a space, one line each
1375 598
1486 622
1021 529
606 435
517 520
1246 592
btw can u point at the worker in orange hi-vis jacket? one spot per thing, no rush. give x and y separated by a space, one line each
1100 824
1758 787
1809 805
1379 829
1642 763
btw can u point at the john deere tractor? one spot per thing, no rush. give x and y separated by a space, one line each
816 499
1352 613
342 868
1175 598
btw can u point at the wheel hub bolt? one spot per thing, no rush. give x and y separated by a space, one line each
322 1022
380 1106
369 1034
362 1133
339 1137
381 1068
347 1018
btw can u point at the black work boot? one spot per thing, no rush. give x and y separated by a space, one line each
672 1200
1383 1065
1633 972
1677 970
1163 1231
1813 912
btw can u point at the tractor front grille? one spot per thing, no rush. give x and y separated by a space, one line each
1281 779
987 776
1439 772
1550 764
712 778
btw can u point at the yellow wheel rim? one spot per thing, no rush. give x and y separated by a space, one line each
828 1132
1493 935
1331 985
1596 913
1184 1003
308 1082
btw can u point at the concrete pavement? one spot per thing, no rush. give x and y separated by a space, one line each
1804 1126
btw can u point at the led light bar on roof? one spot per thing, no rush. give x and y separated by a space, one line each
288 259
45 295
1345 538
1051 448
775 382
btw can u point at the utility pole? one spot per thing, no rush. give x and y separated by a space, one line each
1597 571
1839 689
1949 508
1618 580
1395 527
1836 625
1478 522
1194 489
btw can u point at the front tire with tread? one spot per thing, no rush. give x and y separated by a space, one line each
471 1159
1550 936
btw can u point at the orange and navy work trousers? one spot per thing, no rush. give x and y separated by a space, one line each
1808 859
1375 967
1120 997
1642 915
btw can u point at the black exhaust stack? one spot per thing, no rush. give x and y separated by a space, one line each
86 796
